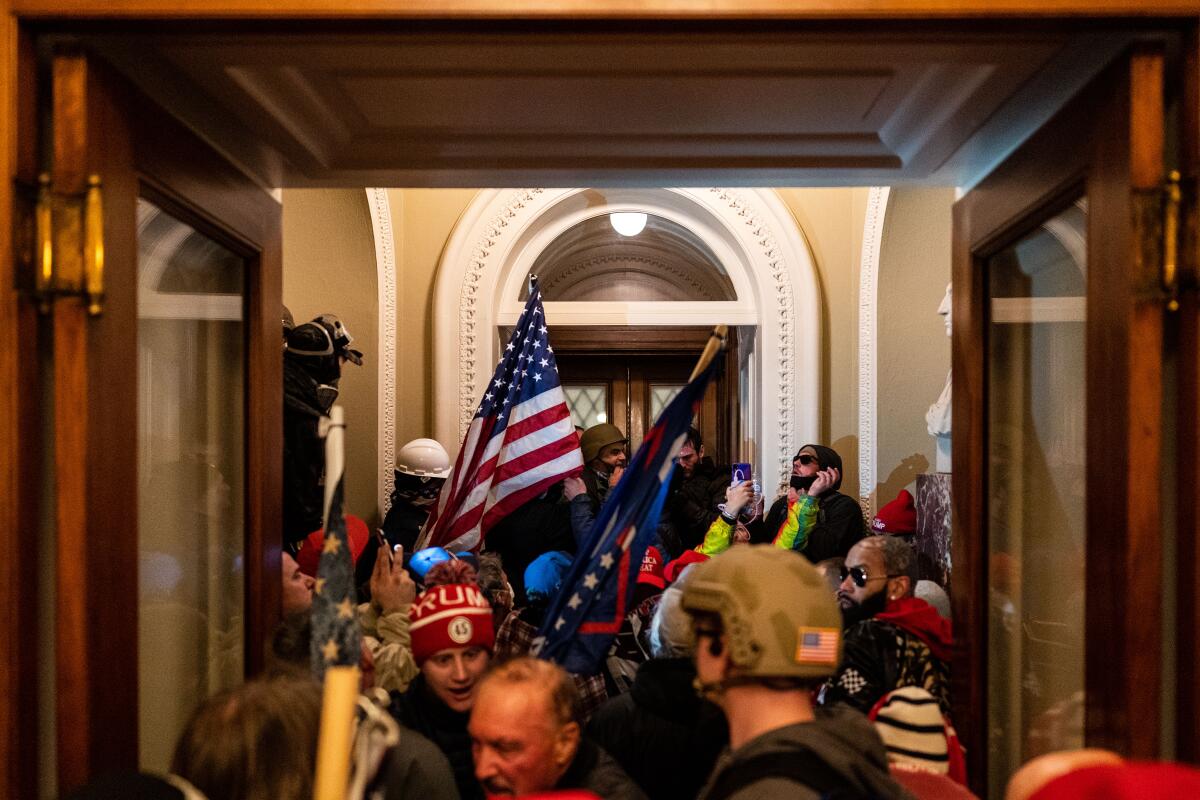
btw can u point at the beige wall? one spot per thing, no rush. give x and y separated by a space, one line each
832 221
422 220
329 266
332 227
914 351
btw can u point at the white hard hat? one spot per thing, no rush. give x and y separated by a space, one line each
424 458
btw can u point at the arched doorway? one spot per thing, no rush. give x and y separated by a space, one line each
749 232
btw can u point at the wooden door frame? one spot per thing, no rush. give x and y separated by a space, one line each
138 150
19 462
1123 521
587 10
1187 427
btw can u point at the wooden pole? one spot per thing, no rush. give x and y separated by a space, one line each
716 343
337 728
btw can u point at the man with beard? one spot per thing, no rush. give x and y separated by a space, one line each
813 517
892 638
697 487
604 459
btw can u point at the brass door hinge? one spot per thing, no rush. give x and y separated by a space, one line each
1164 226
59 244
1172 199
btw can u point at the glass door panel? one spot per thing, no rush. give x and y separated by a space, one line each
191 485
1036 434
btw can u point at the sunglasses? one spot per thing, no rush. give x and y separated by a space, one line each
806 459
860 577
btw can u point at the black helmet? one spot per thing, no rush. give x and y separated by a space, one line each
340 337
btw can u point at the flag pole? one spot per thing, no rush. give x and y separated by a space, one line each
333 430
341 683
716 343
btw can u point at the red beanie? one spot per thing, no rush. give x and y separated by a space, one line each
651 571
671 573
898 516
310 554
449 616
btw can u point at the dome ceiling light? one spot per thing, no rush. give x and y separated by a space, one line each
627 223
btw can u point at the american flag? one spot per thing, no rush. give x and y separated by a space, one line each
587 613
520 442
335 633
817 645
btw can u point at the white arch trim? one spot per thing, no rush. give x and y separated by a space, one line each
385 267
868 346
753 235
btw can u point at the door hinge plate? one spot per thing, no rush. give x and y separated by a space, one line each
58 243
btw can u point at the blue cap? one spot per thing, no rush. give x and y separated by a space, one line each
424 560
544 575
469 557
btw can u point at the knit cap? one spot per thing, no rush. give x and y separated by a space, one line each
898 516
450 616
913 729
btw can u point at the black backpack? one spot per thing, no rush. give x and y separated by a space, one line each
801 766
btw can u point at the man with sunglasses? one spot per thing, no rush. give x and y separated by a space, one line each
892 638
813 517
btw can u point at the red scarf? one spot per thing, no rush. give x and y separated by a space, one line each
921 619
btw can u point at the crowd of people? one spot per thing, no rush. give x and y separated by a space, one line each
770 650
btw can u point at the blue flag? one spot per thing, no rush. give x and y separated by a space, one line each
335 633
587 613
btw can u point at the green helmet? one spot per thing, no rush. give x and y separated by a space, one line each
781 619
598 437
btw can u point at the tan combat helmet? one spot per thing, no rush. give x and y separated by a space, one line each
598 437
781 619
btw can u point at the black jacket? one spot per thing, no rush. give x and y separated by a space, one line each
419 709
661 732
692 505
593 770
879 655
851 758
839 522
541 525
303 455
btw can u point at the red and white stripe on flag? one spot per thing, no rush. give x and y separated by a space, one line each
496 473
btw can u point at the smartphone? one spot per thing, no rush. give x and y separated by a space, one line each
740 473
384 546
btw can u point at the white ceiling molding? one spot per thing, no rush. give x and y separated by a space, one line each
385 267
751 232
868 345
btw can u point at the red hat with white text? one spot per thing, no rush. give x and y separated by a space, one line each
450 616
898 516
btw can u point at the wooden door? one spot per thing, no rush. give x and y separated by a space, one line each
629 375
1058 355
167 425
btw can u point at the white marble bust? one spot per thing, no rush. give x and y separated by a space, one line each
938 417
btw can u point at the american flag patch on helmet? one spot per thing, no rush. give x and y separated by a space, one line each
816 645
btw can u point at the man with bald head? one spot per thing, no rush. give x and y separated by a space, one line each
892 638
526 736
